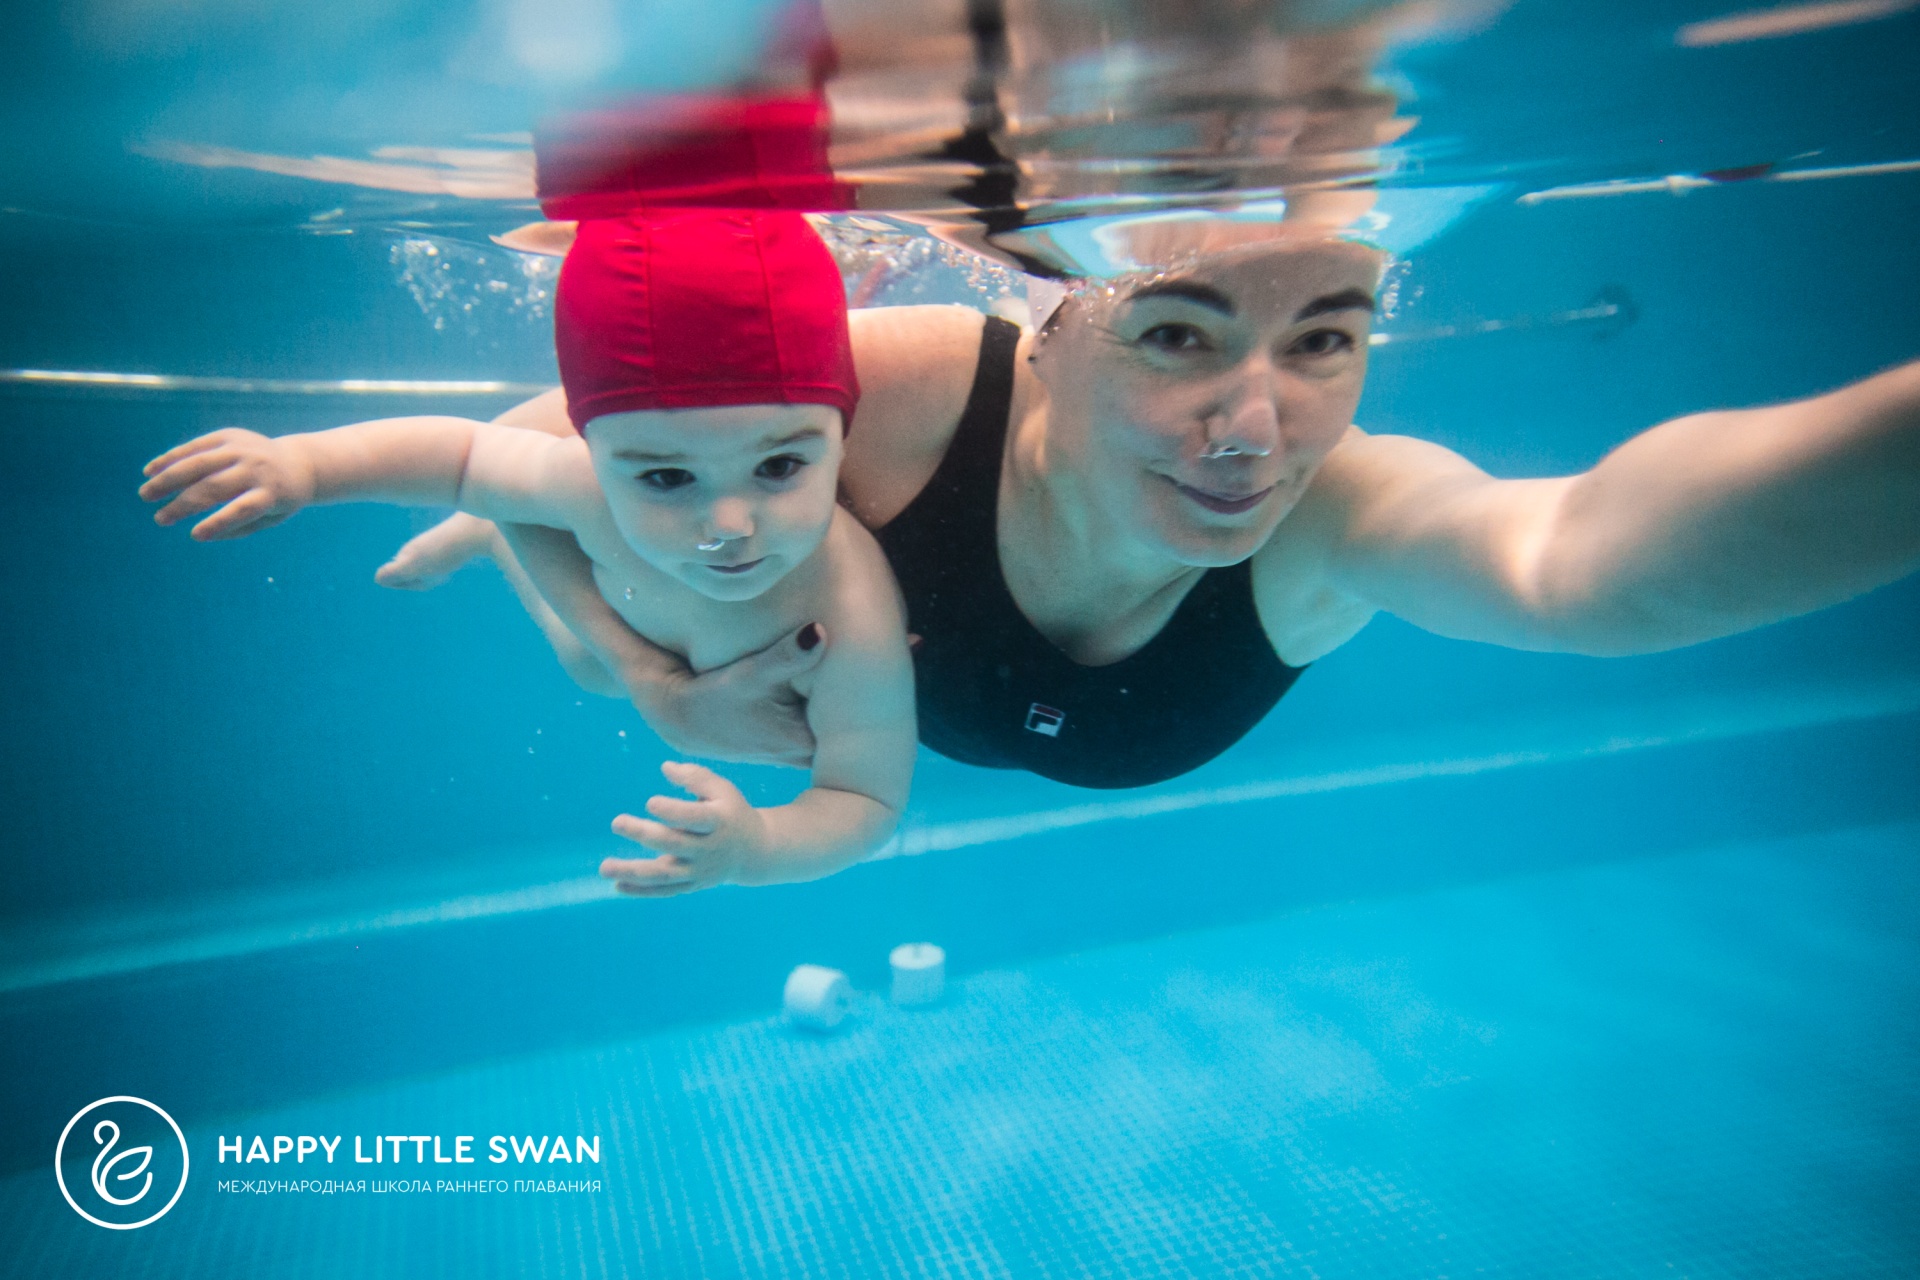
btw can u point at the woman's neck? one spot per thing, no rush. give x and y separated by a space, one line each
1078 570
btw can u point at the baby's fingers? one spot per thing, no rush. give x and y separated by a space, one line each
199 444
661 877
249 513
646 873
703 782
694 817
174 478
204 495
656 836
632 890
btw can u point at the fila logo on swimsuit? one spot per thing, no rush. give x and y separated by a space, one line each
1045 720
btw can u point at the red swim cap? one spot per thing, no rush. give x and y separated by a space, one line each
695 308
713 151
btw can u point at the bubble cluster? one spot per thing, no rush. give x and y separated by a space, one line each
891 263
464 288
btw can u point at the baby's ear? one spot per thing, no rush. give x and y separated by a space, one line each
551 238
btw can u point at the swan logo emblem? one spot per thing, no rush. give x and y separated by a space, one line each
138 1152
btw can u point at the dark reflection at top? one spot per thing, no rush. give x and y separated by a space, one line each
989 120
1050 110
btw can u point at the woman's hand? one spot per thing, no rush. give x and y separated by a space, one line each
699 843
255 481
745 712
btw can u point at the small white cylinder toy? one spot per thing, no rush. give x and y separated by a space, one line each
919 973
817 997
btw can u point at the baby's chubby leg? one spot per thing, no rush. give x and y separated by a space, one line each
575 657
430 559
435 555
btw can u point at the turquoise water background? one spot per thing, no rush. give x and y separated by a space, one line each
1465 960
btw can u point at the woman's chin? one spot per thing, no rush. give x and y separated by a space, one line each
1212 547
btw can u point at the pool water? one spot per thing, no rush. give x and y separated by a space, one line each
1701 1065
1465 962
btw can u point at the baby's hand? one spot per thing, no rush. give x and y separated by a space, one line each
702 842
260 481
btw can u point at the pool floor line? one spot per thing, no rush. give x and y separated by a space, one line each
1896 699
1756 718
205 385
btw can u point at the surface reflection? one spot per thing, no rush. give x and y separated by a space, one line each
992 120
1049 111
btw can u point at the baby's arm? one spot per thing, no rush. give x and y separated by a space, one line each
429 559
861 711
256 482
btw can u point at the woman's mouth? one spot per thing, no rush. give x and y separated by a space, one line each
1227 504
742 567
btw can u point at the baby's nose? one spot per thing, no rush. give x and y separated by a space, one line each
730 520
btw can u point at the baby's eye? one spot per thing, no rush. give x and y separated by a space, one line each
666 478
780 467
1174 336
1324 342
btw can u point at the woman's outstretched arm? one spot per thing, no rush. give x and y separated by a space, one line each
1701 527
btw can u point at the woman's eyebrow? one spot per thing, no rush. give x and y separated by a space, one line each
1345 300
1193 291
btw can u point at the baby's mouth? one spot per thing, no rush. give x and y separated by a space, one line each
742 567
1227 504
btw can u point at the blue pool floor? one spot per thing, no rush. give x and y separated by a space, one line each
1695 1066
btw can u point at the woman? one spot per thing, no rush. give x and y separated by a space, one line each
1183 516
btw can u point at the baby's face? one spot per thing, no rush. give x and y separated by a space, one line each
728 500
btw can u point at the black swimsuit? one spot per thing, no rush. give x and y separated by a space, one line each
993 691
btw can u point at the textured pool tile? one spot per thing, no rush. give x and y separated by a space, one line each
1697 1067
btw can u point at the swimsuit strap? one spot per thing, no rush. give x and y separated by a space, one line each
971 467
992 690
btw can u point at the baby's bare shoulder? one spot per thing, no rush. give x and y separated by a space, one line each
860 603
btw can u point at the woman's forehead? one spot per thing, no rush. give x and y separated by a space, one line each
1261 279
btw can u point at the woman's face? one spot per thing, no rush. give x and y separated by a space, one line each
1198 404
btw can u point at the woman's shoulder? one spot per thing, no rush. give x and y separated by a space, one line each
916 366
889 341
1303 613
1373 498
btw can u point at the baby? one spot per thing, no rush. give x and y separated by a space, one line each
707 367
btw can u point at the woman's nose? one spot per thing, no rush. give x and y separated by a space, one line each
1248 419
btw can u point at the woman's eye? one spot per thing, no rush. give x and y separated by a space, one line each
1324 342
1174 337
665 478
782 467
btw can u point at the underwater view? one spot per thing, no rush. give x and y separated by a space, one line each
960 638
